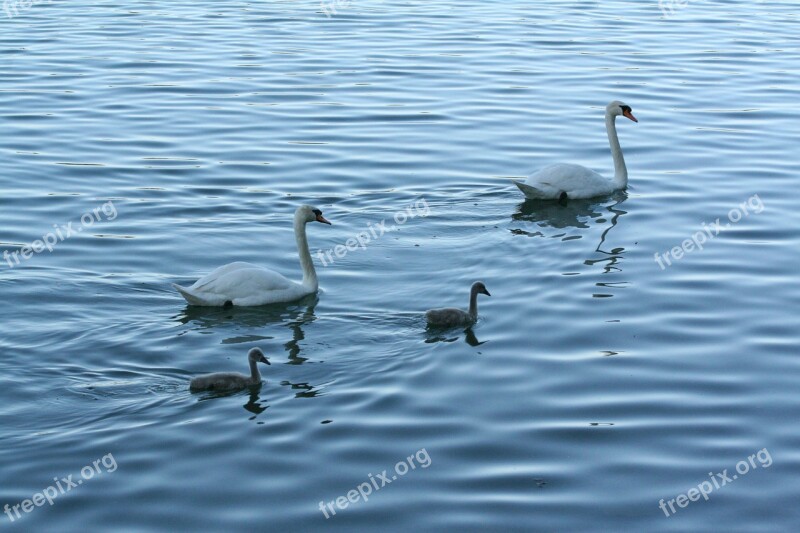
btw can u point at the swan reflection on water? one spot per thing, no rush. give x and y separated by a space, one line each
255 404
575 219
295 316
576 214
301 390
252 317
452 335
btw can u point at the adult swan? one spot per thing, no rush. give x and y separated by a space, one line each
566 180
246 284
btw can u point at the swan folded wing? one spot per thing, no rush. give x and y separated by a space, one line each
245 282
576 180
447 317
217 273
221 381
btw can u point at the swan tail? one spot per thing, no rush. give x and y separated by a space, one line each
192 299
530 192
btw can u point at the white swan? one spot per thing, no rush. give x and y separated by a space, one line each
245 284
230 381
565 180
451 316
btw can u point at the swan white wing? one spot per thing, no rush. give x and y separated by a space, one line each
244 282
217 273
575 180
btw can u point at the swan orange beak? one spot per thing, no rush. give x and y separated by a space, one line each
628 114
322 219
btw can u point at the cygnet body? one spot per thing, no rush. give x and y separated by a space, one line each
452 317
230 381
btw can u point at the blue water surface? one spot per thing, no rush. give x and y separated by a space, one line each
596 383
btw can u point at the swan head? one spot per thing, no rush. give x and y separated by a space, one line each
257 356
617 108
479 288
309 213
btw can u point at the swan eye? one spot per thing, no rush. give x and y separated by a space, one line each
626 108
317 212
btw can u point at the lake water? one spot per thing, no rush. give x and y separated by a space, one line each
595 384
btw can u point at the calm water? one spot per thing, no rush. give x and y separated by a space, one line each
595 384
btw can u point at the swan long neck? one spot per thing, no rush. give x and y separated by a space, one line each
255 375
309 274
473 302
620 170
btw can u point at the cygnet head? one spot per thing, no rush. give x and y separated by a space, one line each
617 108
479 288
257 356
309 213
